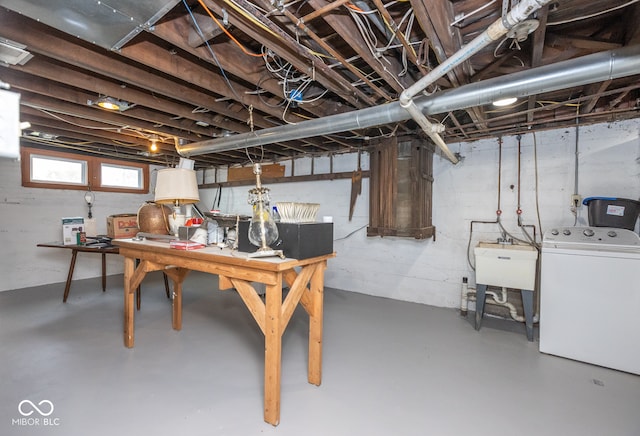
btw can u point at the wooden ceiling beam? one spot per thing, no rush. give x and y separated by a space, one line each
115 120
70 95
445 41
345 28
596 91
208 30
147 53
45 41
97 137
79 128
42 68
581 43
230 58
289 49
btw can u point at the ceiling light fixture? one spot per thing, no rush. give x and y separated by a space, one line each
110 103
505 101
154 143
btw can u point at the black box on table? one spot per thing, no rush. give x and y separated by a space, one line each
296 240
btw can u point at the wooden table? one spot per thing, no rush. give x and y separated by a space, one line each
305 279
74 253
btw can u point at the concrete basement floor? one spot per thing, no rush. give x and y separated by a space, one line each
390 368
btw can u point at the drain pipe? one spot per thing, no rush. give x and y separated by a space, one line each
496 31
469 294
587 69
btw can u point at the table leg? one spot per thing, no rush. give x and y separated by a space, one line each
138 290
315 327
527 305
129 295
104 272
176 305
67 286
481 295
272 352
166 285
177 275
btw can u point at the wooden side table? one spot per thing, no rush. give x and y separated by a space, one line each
74 254
101 250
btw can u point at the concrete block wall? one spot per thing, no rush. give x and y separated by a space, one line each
428 272
29 216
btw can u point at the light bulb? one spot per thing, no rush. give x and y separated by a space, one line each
505 101
263 230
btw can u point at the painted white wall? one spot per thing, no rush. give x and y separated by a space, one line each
429 271
29 216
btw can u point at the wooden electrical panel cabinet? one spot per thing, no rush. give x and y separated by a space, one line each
401 180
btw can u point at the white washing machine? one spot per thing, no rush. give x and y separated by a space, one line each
590 296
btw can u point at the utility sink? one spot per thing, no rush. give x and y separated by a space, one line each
506 265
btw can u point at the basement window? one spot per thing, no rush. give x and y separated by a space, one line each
58 170
121 176
49 169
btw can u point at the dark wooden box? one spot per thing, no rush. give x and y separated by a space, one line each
297 241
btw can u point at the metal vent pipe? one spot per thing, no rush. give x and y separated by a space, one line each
597 67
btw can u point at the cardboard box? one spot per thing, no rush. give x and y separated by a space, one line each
122 226
70 229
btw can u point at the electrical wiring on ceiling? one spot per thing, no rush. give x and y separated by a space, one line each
224 29
368 34
137 132
472 13
293 83
410 17
284 72
245 14
259 91
58 117
82 147
571 20
211 52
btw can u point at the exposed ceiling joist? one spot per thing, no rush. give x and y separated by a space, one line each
261 66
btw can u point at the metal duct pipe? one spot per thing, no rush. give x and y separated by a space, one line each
588 69
497 30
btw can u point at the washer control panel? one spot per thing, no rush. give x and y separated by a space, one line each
591 235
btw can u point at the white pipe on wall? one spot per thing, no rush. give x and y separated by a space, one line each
469 294
497 30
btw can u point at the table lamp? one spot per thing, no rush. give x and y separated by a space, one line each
262 228
177 187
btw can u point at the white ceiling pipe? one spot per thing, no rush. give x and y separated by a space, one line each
497 30
597 67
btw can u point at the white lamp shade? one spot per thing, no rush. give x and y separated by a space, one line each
176 185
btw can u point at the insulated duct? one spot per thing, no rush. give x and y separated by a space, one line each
597 67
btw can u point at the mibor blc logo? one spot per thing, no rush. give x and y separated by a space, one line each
35 414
